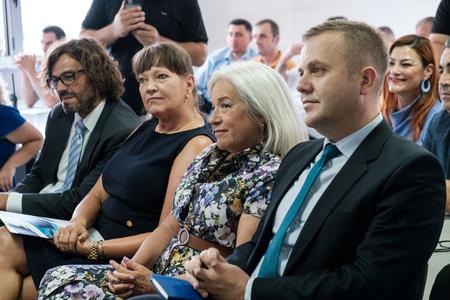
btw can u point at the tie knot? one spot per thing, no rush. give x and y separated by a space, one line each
79 127
329 152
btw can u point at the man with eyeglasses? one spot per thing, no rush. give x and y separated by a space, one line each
82 132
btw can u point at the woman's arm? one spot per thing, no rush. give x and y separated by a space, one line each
246 228
73 238
31 140
155 244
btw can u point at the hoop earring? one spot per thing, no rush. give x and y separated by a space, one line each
425 86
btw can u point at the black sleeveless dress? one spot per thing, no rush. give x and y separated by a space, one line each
135 179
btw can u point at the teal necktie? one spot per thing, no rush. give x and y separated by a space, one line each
269 265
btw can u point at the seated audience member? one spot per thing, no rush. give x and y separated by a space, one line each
437 137
31 86
137 184
225 191
369 224
14 130
440 31
267 36
292 77
238 41
437 140
82 133
387 35
408 99
423 27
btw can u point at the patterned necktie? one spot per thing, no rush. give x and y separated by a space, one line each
74 154
269 266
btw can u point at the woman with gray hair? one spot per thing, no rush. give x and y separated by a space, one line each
223 194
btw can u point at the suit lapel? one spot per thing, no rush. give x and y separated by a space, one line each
290 171
347 177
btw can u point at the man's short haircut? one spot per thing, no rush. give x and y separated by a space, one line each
387 30
336 18
266 96
361 46
101 71
59 33
273 26
425 20
242 22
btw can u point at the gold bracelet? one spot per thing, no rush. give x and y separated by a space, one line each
100 250
93 252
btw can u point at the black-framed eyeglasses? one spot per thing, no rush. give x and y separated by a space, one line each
67 78
443 246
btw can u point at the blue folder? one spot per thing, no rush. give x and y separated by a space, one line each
172 288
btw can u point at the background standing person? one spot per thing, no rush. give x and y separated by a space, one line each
440 31
31 87
126 30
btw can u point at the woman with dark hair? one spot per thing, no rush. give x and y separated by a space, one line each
136 186
409 96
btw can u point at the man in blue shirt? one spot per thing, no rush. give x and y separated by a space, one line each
238 39
437 137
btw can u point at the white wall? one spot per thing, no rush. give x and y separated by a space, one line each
296 16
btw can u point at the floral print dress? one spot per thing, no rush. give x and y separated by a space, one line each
217 188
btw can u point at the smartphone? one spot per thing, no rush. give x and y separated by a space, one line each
132 3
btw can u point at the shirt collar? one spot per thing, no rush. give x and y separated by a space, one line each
348 144
246 56
91 119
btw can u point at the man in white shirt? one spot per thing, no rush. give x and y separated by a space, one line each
369 218
72 159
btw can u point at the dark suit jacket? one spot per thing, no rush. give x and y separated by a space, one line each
115 123
372 231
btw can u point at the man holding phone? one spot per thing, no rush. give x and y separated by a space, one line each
127 26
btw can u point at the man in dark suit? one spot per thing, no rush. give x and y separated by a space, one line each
89 85
370 220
